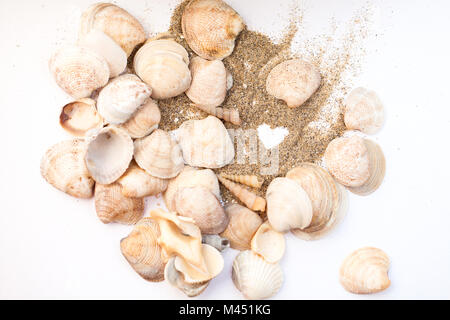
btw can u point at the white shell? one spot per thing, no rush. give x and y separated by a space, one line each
268 243
80 118
144 121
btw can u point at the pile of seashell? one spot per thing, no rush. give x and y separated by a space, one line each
119 156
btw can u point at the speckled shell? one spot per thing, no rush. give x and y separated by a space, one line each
80 118
268 243
144 121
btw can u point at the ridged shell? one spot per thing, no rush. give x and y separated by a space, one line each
254 277
142 251
63 167
78 70
250 199
365 271
159 155
249 180
268 243
80 118
210 28
144 121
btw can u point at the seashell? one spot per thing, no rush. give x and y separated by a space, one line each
288 205
210 28
159 155
176 279
248 180
80 118
106 47
78 70
163 65
121 98
363 111
203 207
63 167
144 121
365 271
136 183
357 163
328 199
191 177
254 277
109 154
293 81
242 226
229 80
142 251
216 241
251 200
268 243
114 21
112 206
205 143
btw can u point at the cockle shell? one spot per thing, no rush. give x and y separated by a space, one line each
268 243
121 98
293 81
363 110
112 206
205 143
216 241
159 155
210 28
254 277
136 183
288 205
142 251
114 21
242 226
109 154
78 70
144 121
365 271
251 200
249 180
64 168
80 118
203 207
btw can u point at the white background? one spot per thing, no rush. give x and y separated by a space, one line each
53 246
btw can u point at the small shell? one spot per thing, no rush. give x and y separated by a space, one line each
268 243
216 241
112 206
210 28
293 81
144 121
254 277
136 183
176 279
120 99
114 21
142 251
242 226
251 181
64 168
288 205
363 111
80 118
78 70
365 271
251 200
228 114
159 155
205 143
203 207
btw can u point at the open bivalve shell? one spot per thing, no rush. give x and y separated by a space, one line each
268 243
144 121
80 118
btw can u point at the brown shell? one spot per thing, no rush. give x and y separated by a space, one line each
80 118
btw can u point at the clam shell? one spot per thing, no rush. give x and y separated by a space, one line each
250 199
78 70
176 279
142 251
80 118
268 243
365 271
144 121
210 28
109 154
216 241
249 180
159 155
63 167
254 277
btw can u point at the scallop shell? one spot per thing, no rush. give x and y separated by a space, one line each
112 206
63 167
203 207
144 121
159 155
242 226
251 200
210 28
109 154
288 205
254 277
78 70
293 81
249 180
365 271
216 241
268 243
80 118
114 21
121 98
136 183
205 143
142 251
